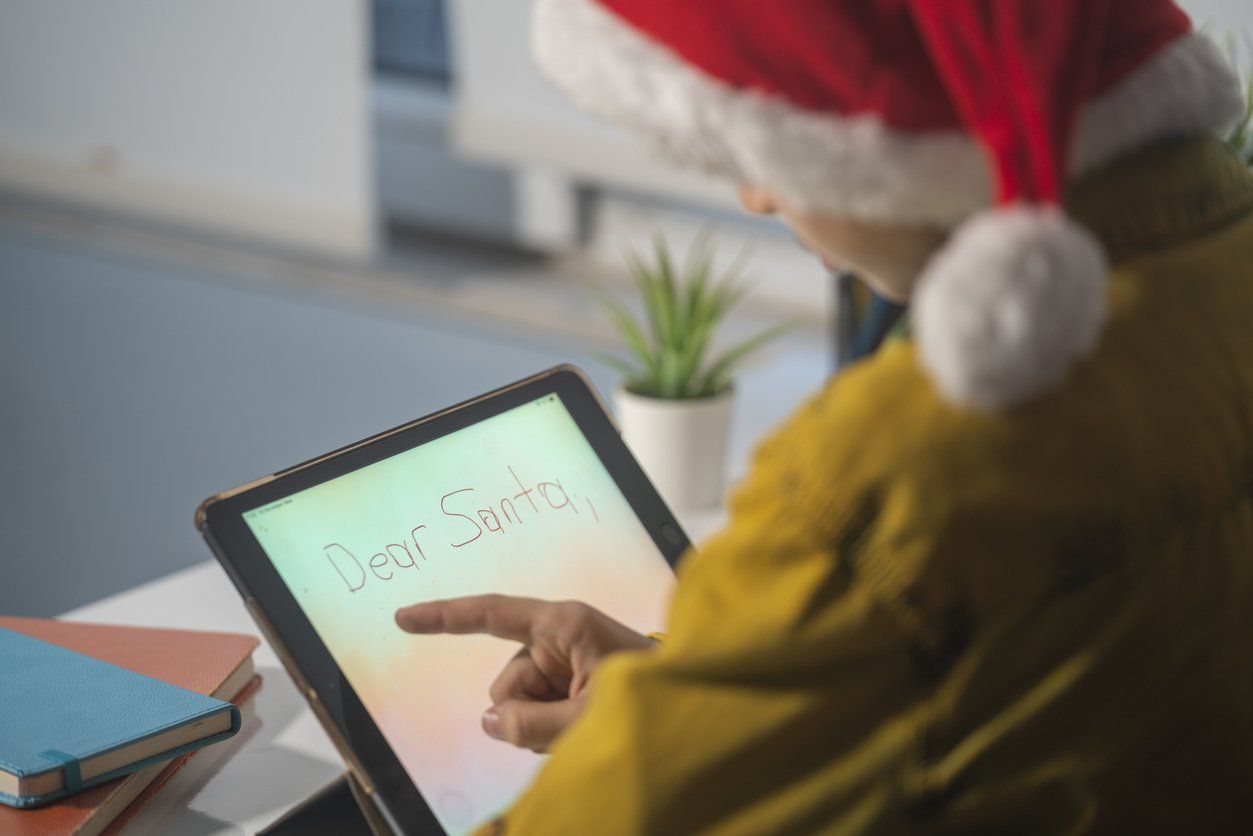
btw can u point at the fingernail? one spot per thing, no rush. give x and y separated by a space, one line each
491 723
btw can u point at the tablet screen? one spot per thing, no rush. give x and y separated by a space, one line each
517 504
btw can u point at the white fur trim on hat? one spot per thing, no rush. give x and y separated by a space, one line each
849 165
1009 304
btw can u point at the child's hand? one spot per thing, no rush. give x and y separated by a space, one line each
543 688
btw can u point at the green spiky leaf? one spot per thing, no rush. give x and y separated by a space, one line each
628 371
633 334
718 377
683 309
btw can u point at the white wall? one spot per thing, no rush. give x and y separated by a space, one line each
506 112
1221 16
239 116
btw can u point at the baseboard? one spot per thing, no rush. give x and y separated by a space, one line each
100 182
423 181
586 152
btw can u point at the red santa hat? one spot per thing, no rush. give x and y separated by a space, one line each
969 114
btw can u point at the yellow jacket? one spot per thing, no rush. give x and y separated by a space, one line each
926 620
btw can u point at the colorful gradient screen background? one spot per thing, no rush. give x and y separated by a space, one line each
517 504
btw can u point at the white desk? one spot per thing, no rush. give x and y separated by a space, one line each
281 754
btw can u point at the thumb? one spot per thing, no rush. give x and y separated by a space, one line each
530 724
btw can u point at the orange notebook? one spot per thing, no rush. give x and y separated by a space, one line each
215 664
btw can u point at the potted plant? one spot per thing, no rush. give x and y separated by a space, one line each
674 404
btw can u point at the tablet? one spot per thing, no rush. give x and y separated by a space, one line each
527 490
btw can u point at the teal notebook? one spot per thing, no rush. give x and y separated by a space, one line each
68 721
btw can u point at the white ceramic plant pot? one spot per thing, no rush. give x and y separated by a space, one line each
681 444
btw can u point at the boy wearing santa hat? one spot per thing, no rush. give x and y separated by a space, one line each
997 577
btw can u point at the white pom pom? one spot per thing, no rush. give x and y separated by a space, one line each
1006 308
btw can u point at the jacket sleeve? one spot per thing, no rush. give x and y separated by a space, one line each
784 697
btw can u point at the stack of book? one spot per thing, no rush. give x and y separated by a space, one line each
94 701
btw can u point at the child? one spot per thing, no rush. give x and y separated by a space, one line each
997 577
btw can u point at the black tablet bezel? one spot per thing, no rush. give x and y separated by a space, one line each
220 520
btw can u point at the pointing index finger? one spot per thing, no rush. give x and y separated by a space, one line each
503 616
